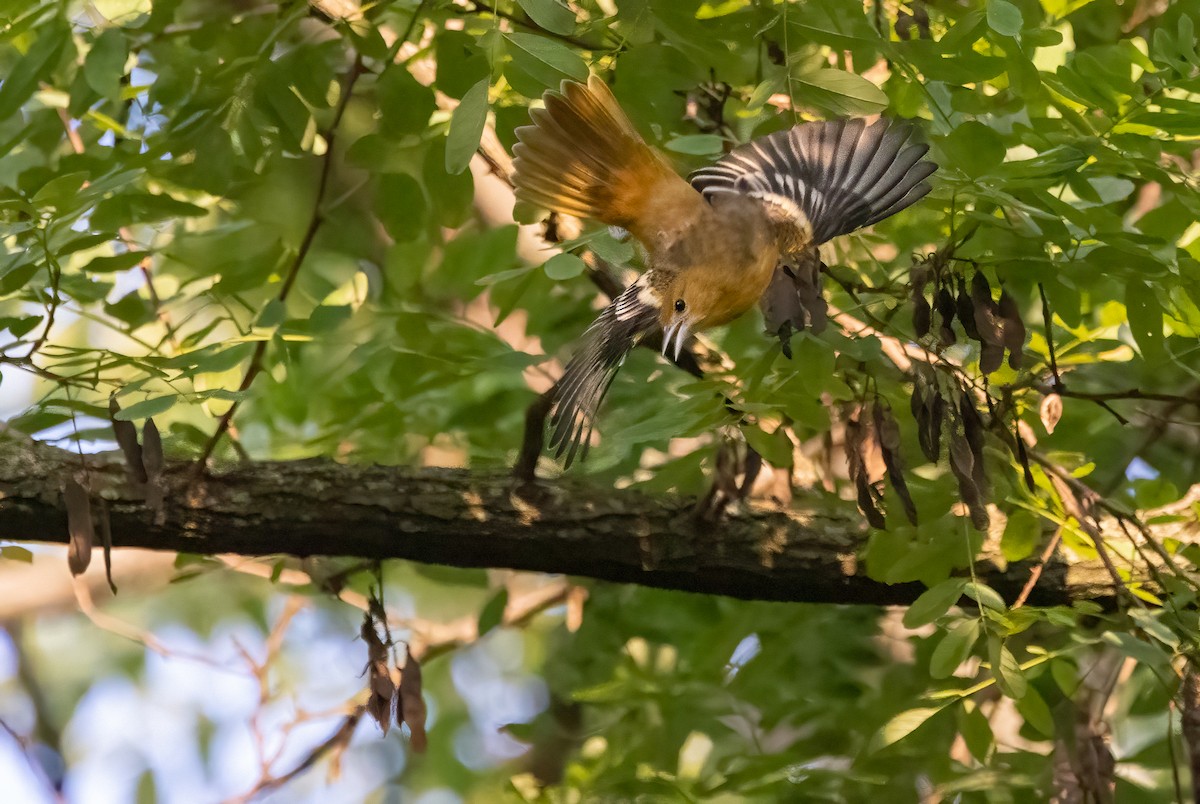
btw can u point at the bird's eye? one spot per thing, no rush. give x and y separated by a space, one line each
680 306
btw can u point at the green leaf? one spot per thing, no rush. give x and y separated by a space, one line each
564 266
903 725
105 64
697 144
1004 18
1145 319
551 15
402 207
492 613
973 148
14 553
21 81
976 731
405 105
544 60
16 279
985 596
708 10
934 602
776 447
272 315
847 93
1009 677
1033 708
954 648
20 326
117 262
466 128
1021 535
131 309
147 408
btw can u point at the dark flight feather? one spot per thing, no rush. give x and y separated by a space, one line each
601 351
821 180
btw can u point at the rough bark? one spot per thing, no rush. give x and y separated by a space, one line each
473 519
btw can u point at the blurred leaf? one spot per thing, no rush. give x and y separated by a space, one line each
22 79
492 614
466 127
954 648
934 602
1003 17
547 62
1022 534
554 16
903 725
564 266
104 66
147 408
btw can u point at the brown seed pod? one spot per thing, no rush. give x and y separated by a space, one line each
987 314
962 466
922 317
1050 411
946 309
889 442
80 528
412 704
866 503
974 432
127 440
991 357
1013 328
966 310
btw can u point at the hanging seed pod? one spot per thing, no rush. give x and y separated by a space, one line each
80 528
379 677
946 310
930 436
411 706
991 357
922 315
973 430
987 314
866 504
1014 328
962 466
126 437
889 441
916 403
966 310
918 278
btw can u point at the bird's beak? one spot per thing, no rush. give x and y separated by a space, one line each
677 334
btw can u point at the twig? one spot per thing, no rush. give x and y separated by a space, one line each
314 224
1048 322
1035 573
336 741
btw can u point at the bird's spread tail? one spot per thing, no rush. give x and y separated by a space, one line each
583 157
825 179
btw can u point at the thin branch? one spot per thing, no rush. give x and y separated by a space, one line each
255 366
1035 572
1048 321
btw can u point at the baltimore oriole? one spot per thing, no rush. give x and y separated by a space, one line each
715 244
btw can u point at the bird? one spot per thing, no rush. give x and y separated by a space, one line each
715 242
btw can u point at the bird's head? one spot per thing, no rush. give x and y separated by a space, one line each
690 302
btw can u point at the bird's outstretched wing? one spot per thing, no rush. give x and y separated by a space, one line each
821 180
601 351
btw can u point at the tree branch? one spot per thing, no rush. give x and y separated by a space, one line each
472 519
